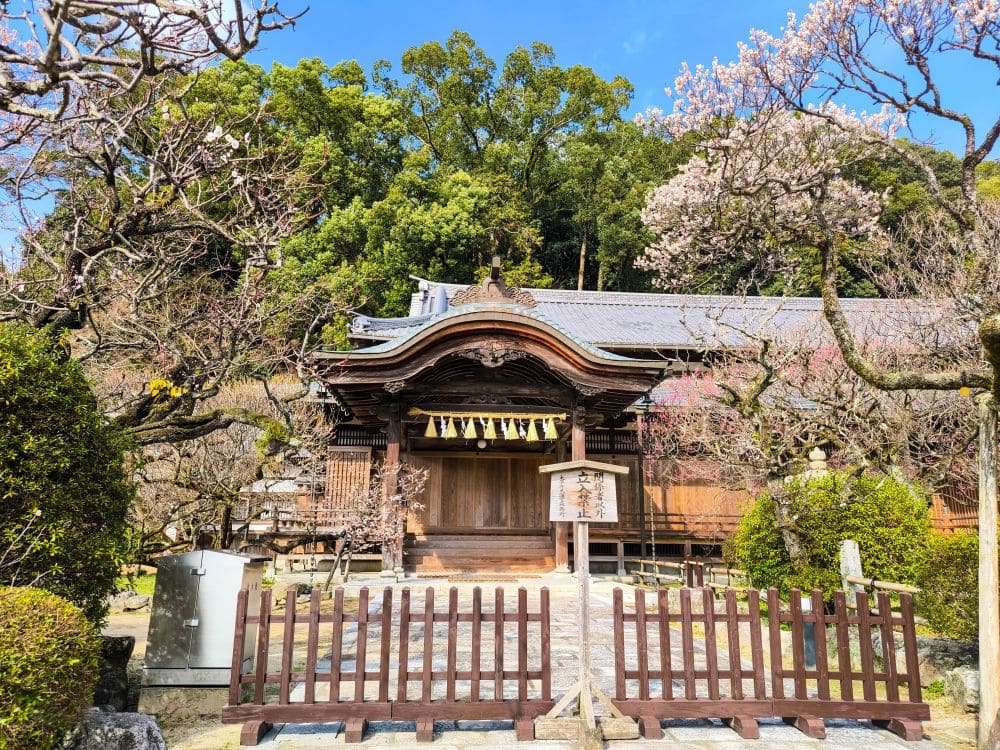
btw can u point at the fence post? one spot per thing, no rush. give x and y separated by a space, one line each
850 565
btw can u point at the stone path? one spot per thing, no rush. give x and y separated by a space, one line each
678 734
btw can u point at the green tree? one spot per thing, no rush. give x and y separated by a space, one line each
887 517
63 483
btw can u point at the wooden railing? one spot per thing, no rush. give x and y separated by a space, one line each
709 526
770 683
375 675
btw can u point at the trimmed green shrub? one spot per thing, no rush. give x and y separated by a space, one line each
49 655
64 489
949 597
888 519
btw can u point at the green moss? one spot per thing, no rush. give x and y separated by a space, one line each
49 655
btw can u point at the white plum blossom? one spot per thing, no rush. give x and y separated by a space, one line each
752 193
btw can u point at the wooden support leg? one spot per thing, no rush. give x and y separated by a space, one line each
354 730
562 547
909 729
524 728
621 557
811 726
425 730
253 732
649 728
745 726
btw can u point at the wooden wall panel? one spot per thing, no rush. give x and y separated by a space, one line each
468 492
490 493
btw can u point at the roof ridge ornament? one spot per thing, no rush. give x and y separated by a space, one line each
493 291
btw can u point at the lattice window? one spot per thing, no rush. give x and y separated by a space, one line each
348 471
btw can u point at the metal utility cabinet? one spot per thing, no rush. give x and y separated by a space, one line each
193 617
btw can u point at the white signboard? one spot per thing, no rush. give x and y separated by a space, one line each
583 491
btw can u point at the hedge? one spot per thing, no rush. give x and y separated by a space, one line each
49 654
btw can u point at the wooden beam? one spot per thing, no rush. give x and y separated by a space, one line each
394 434
989 578
490 387
561 529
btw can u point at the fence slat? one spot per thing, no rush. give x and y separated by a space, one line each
819 631
687 644
336 646
546 644
642 644
522 644
843 646
361 647
403 678
735 660
663 621
312 646
498 644
888 647
774 632
287 645
385 635
910 648
619 635
711 644
798 645
425 690
452 642
477 641
756 646
239 644
865 641
263 638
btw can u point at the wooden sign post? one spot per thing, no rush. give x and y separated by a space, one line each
582 492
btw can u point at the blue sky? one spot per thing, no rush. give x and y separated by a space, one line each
643 40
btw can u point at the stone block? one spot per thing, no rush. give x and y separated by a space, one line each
962 685
170 704
100 730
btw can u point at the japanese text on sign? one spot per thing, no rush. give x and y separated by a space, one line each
583 495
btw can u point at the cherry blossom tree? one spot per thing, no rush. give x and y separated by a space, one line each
748 422
777 134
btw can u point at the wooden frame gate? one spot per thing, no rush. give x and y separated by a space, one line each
741 690
357 684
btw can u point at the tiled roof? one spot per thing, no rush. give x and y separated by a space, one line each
406 328
621 320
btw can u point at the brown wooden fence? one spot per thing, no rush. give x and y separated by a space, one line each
340 665
747 679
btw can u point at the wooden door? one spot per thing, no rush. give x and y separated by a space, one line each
470 493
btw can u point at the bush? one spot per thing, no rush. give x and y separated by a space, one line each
886 517
49 655
949 598
63 484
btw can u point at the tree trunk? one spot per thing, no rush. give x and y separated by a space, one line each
600 277
785 522
989 581
583 262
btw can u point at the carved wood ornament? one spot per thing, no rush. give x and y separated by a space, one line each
493 291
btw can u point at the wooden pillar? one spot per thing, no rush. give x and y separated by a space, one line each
578 452
392 550
989 578
561 529
640 483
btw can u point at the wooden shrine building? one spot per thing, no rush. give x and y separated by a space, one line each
482 385
482 395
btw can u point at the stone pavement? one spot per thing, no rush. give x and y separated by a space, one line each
678 733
